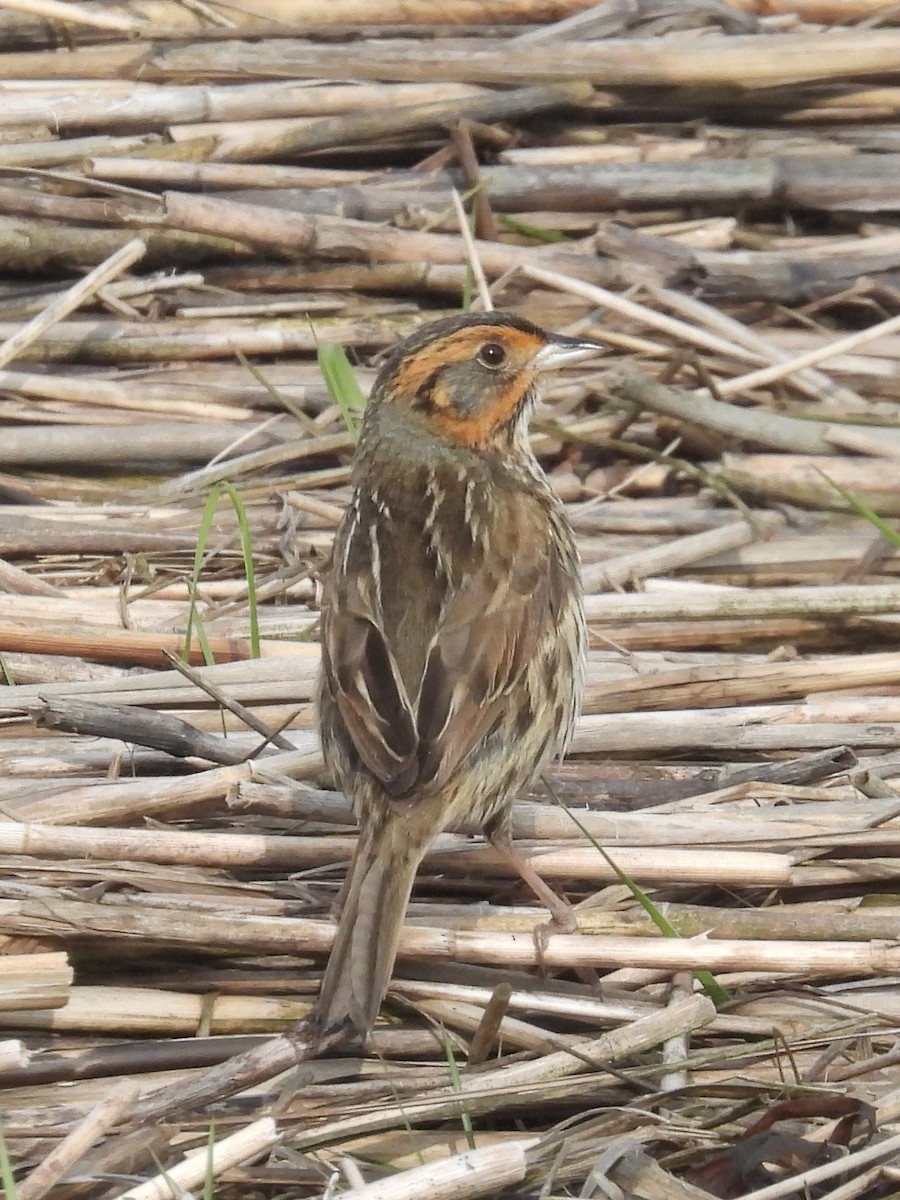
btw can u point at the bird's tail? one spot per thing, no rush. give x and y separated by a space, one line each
365 945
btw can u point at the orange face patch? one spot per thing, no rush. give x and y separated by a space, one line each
503 389
500 408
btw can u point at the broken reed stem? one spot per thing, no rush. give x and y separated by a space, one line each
296 1046
680 552
479 1172
814 383
129 799
29 982
245 1146
479 1092
767 428
142 1012
14 579
60 1160
72 299
766 375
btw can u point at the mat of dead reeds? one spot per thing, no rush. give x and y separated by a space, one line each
194 198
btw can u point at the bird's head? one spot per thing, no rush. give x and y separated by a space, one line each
470 379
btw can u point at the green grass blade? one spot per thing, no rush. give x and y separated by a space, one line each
205 648
469 282
862 509
209 1179
292 406
456 1085
247 553
341 383
536 232
465 302
706 979
194 622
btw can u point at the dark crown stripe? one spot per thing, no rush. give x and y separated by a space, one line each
424 398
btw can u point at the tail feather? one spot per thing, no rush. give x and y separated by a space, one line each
362 957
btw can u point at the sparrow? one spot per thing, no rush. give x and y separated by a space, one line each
453 632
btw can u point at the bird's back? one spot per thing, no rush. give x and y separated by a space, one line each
473 557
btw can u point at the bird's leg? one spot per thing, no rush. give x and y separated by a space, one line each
562 916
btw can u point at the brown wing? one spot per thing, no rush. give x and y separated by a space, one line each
366 685
413 736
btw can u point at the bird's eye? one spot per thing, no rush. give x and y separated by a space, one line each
492 354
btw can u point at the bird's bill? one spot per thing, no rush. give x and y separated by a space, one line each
564 350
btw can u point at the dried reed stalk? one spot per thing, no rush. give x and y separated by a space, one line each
34 982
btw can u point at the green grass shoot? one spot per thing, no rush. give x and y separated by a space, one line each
341 383
468 289
706 979
468 286
194 622
536 232
862 509
456 1085
209 1179
292 406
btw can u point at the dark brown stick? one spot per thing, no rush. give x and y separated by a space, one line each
141 726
